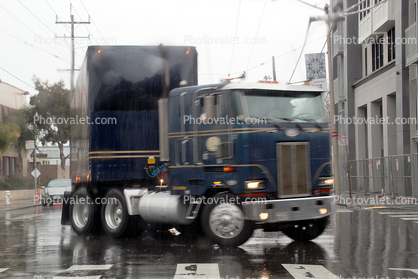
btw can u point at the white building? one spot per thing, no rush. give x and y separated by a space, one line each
376 94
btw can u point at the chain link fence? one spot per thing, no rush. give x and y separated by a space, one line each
395 175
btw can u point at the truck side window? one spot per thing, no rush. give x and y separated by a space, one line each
236 105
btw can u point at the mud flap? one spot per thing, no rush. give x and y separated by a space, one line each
65 214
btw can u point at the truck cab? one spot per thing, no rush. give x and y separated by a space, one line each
264 144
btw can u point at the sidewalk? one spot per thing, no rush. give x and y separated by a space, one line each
17 204
371 201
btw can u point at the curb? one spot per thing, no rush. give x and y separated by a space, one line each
18 208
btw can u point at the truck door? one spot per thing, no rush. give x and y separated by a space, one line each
212 128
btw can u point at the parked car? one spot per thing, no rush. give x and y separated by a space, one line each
54 192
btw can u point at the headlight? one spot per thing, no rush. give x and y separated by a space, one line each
326 181
254 184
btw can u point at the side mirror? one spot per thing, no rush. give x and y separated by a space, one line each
222 151
209 106
43 187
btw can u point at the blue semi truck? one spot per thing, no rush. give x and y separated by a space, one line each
228 157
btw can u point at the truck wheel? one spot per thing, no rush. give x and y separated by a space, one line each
115 218
223 221
306 230
84 214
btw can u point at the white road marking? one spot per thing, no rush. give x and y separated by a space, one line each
403 216
196 270
78 277
3 269
398 212
91 267
406 269
24 217
410 219
304 271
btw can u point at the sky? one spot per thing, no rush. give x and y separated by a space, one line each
231 36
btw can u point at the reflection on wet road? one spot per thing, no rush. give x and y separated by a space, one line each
375 243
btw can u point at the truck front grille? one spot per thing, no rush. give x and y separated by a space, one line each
293 169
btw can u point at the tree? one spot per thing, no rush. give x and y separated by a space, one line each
22 118
51 112
9 133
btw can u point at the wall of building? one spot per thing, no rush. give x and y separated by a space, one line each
11 98
373 82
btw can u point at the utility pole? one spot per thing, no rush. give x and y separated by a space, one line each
334 135
274 68
72 22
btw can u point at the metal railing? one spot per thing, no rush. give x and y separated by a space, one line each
395 175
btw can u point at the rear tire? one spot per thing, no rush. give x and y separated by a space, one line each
115 218
224 222
84 213
306 230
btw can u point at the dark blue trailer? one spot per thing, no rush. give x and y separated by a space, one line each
229 157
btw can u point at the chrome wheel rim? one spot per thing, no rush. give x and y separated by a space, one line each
114 214
80 214
226 220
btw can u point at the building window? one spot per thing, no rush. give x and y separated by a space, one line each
377 54
363 6
365 61
7 166
391 44
12 165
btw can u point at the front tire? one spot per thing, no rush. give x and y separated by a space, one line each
306 230
223 221
84 213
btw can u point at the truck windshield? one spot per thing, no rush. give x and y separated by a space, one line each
285 105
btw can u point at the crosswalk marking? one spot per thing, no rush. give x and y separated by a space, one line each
195 270
303 271
398 212
91 267
3 269
78 277
406 269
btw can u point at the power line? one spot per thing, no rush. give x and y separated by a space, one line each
236 29
355 5
17 77
68 29
56 56
313 6
27 83
279 56
39 21
35 16
94 24
363 10
301 51
256 35
83 24
19 21
72 22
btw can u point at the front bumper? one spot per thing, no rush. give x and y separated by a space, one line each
273 211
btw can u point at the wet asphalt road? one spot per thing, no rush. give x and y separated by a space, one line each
357 244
